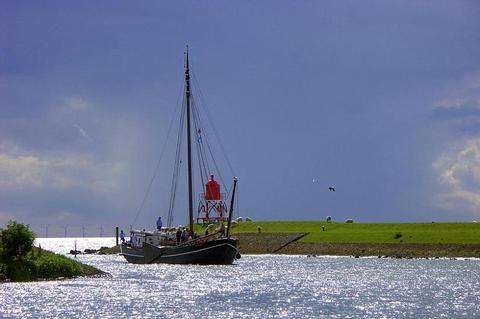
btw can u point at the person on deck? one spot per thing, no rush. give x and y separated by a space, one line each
184 235
122 236
159 223
222 229
178 236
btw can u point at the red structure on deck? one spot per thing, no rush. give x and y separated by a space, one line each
212 190
212 206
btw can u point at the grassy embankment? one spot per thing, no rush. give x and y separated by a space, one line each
21 261
360 239
42 264
413 233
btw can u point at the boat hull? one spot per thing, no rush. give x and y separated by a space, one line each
221 251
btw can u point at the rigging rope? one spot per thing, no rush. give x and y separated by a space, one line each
209 148
215 164
162 152
202 145
202 160
209 118
176 167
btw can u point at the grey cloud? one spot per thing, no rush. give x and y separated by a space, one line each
461 120
455 113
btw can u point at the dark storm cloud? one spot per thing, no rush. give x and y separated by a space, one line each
336 91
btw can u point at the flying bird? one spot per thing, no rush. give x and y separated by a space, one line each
331 188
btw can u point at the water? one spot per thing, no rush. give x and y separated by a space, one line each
265 286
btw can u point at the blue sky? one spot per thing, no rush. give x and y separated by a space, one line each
380 99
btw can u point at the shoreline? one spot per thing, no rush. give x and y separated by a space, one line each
294 243
278 243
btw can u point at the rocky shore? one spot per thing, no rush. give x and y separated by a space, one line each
285 243
101 251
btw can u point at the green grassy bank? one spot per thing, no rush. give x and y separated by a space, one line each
392 233
399 240
21 261
42 264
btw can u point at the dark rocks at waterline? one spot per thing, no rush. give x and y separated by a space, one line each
109 250
251 245
87 251
100 251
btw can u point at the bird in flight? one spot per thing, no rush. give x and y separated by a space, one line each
331 188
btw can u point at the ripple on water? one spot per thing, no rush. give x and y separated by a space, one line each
256 287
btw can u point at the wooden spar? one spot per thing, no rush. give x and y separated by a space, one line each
230 212
189 146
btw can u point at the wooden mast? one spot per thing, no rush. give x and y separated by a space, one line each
189 146
230 213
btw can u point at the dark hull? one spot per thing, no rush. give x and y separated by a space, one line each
222 251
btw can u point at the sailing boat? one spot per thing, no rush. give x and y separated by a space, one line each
172 245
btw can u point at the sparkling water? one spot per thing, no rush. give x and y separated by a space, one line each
256 286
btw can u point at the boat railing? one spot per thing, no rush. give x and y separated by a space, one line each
202 239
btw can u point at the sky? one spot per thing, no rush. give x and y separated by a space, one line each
379 99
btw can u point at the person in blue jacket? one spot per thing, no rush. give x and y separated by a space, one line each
159 223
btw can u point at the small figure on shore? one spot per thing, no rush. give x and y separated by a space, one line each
159 223
122 236
323 227
259 229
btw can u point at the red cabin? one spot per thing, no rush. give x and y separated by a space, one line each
212 190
